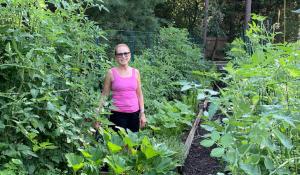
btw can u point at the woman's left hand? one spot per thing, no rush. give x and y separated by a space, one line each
143 120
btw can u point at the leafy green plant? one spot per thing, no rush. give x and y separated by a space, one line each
259 133
172 58
172 118
90 161
127 153
49 68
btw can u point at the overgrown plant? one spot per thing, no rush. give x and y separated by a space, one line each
127 153
172 118
49 69
172 59
260 131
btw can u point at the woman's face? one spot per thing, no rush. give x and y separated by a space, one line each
122 55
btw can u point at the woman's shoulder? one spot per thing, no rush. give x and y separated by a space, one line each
112 68
136 72
109 72
135 69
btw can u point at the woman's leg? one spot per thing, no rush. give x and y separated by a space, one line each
134 121
119 119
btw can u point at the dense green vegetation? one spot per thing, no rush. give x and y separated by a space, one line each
169 61
260 131
51 62
50 67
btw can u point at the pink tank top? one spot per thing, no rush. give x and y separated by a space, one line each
124 92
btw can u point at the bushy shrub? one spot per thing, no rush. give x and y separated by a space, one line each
173 58
125 153
260 133
48 72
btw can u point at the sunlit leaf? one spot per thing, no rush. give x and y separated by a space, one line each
74 161
113 147
226 140
148 149
215 135
207 142
217 152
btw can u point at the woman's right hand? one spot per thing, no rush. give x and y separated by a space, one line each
97 124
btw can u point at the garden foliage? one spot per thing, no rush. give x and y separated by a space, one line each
125 153
171 119
172 59
260 131
49 67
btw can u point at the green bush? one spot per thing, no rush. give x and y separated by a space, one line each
171 119
260 133
49 69
125 153
173 58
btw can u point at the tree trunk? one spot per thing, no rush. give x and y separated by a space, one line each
284 20
247 14
205 24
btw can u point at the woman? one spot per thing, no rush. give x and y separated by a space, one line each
125 83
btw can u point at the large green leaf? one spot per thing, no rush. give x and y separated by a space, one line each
113 147
250 169
117 163
148 149
283 139
207 142
226 140
269 163
217 152
215 136
75 161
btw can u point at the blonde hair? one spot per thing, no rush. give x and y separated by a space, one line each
120 45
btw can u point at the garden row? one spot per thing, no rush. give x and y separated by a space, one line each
258 132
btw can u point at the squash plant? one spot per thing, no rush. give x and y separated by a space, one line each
126 153
171 119
260 131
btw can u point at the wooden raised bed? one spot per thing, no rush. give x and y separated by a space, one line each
191 135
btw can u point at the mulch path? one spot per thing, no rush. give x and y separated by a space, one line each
198 161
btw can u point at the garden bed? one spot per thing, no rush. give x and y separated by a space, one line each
198 161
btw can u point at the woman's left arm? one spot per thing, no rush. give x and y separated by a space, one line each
140 96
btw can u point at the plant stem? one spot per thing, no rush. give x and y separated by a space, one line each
284 163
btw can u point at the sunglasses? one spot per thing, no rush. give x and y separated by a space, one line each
121 54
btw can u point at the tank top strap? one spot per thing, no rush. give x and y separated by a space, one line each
133 73
114 73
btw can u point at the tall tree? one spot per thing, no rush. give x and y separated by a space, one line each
205 22
127 15
247 13
127 21
184 14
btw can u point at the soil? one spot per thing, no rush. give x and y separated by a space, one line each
198 161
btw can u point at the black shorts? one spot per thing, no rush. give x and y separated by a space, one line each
125 120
